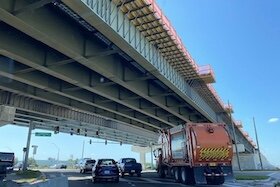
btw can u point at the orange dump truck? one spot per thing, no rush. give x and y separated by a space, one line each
195 153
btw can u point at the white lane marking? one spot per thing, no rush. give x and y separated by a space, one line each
79 178
152 181
128 182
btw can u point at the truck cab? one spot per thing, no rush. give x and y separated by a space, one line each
6 163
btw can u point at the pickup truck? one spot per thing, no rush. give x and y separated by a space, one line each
6 163
130 166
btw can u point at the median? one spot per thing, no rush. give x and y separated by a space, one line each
34 178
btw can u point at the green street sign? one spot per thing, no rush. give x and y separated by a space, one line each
45 134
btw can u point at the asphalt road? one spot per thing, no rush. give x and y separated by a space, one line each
148 179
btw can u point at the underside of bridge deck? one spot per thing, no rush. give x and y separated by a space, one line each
49 54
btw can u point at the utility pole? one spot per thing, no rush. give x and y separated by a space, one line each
258 143
234 138
83 150
25 163
58 150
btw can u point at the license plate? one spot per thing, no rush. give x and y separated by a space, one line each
106 172
212 164
132 171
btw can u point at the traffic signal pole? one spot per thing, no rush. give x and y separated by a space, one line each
25 163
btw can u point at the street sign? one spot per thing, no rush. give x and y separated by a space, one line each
45 134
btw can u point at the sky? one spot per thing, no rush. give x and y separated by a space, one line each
240 39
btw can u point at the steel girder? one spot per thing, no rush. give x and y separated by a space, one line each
48 115
129 84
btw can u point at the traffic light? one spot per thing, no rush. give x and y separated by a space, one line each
97 133
78 131
56 129
71 132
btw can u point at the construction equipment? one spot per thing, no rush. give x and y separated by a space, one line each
195 153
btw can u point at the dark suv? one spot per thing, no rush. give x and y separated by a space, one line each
105 170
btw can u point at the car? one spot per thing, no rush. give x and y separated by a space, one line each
59 166
105 170
87 165
130 166
18 166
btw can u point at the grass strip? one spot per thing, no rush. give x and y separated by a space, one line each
251 177
28 176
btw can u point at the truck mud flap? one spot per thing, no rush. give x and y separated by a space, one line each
200 178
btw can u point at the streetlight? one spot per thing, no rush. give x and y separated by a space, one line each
57 151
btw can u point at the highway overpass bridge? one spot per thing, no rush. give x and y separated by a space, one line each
113 69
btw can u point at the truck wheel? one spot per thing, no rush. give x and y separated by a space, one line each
217 180
117 180
187 176
94 180
161 172
177 174
166 173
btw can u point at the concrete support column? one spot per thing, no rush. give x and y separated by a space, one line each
7 115
247 161
142 151
143 160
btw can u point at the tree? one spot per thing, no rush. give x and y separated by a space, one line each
51 159
32 162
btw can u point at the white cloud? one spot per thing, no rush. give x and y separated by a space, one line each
273 120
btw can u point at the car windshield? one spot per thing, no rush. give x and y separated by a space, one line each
106 162
129 160
90 161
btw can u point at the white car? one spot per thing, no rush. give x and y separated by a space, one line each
59 166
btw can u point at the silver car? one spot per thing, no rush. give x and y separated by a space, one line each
86 165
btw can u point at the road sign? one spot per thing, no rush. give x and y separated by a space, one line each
45 134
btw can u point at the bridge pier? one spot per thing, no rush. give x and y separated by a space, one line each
251 161
142 151
7 115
